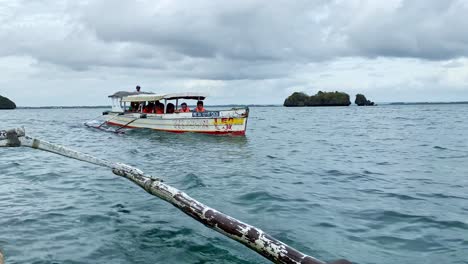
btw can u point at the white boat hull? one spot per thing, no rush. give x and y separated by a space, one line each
231 122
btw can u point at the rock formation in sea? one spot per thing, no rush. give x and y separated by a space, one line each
361 100
6 103
320 99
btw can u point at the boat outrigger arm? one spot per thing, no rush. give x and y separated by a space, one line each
252 237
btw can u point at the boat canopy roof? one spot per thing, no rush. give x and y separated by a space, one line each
121 94
156 97
193 96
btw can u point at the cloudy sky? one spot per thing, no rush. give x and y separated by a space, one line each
76 52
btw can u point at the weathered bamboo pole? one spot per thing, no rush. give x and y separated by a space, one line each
250 236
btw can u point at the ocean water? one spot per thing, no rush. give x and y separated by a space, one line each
385 184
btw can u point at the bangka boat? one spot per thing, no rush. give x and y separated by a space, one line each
136 110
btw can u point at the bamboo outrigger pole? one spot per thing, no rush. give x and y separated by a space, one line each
252 237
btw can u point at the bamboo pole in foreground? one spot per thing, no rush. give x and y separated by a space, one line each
252 237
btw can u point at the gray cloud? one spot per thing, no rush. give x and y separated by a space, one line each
270 35
433 30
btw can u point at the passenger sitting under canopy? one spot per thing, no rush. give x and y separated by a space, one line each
200 107
170 108
184 108
149 108
159 108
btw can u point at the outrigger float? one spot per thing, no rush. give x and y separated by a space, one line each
250 236
218 122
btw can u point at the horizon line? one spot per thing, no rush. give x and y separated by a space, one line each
259 105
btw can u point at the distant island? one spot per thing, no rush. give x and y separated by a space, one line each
320 99
427 103
6 103
361 100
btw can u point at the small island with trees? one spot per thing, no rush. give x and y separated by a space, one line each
324 99
320 99
361 100
6 103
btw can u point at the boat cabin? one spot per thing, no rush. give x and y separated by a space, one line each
117 105
150 102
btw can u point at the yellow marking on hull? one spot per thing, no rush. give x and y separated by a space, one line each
228 121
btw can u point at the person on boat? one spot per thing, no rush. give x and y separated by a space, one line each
159 108
200 107
170 108
133 107
149 108
184 108
141 106
137 89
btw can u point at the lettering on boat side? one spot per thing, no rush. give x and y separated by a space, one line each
225 124
228 121
184 123
3 134
206 114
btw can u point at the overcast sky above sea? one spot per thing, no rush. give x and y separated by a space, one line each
78 52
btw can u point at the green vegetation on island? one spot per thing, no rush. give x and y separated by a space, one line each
320 99
361 100
6 103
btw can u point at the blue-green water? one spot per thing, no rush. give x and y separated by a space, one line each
386 184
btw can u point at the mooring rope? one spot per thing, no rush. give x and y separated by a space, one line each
252 237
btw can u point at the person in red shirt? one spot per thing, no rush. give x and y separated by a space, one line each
149 108
159 108
184 108
200 107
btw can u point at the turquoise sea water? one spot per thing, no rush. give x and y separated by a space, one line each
385 184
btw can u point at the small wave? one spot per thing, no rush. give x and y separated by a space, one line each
124 211
441 196
399 196
336 172
372 173
384 163
384 217
94 219
52 215
439 148
418 244
326 225
454 157
403 197
260 196
161 233
191 181
134 151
